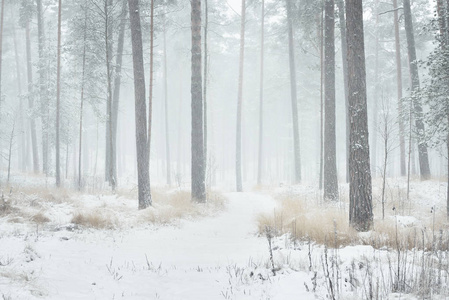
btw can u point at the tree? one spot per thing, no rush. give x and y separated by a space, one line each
206 65
198 168
1 45
167 136
294 100
143 177
360 195
262 39
330 164
417 105
238 151
58 99
150 97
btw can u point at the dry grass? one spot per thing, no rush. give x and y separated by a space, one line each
40 218
96 219
306 218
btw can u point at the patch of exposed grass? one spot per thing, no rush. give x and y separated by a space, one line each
95 219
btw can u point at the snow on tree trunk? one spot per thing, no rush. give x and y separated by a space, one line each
360 196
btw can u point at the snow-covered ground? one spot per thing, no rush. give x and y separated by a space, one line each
218 256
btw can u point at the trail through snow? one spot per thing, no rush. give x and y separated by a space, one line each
210 258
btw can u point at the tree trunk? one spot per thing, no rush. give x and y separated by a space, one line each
117 84
11 139
294 99
1 45
150 98
330 164
58 99
198 168
206 23
262 39
417 106
344 54
31 101
167 135
373 147
399 87
238 161
320 36
360 196
43 96
140 107
82 102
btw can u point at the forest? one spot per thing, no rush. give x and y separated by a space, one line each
235 149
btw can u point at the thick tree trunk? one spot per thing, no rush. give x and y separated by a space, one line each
330 163
399 87
143 177
1 44
294 99
360 196
117 85
58 100
417 106
206 57
31 101
344 54
321 37
167 132
238 161
262 42
150 97
198 168
375 112
43 95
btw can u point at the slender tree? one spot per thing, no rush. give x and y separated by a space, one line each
330 163
167 132
143 177
58 100
360 196
417 106
262 42
198 168
294 100
206 65
82 100
1 45
150 97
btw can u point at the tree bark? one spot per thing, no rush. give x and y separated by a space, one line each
399 88
262 42
58 100
1 45
373 147
43 95
206 53
417 106
344 53
198 168
294 100
167 132
360 196
143 177
238 161
82 102
31 100
150 97
321 37
330 163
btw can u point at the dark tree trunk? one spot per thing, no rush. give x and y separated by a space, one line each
238 161
58 100
321 37
206 54
360 196
31 101
43 95
417 106
150 97
1 45
399 87
330 164
373 147
117 85
344 54
198 168
262 39
294 99
143 177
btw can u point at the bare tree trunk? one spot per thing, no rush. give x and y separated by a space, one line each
198 168
167 135
42 87
399 87
294 98
262 42
321 37
140 107
417 106
1 45
373 147
31 101
22 130
117 84
330 163
150 98
82 102
344 53
360 196
11 139
238 161
206 54
58 100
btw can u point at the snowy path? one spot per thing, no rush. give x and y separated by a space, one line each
203 259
